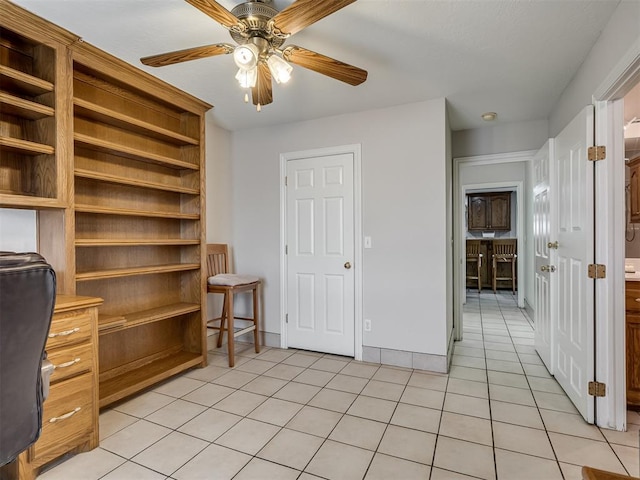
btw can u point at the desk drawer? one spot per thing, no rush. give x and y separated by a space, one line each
68 328
67 416
70 361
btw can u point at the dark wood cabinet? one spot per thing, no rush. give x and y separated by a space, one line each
489 211
632 305
634 181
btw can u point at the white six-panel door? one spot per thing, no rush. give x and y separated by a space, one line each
574 329
544 231
320 258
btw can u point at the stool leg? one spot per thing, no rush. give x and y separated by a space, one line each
479 278
230 338
495 273
256 334
223 317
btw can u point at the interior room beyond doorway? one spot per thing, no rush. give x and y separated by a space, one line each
491 239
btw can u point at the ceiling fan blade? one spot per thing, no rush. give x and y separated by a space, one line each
195 53
325 65
302 13
262 93
216 11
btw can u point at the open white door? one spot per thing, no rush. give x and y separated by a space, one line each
573 332
544 233
320 260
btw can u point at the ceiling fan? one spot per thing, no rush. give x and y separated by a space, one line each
260 31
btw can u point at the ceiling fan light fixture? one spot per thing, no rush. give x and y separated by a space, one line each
246 56
279 68
247 78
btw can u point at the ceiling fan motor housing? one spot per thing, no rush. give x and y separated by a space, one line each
256 15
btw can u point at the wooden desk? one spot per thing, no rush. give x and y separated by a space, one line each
70 416
589 473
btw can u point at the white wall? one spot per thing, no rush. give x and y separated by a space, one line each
450 262
218 178
404 185
615 40
218 190
18 230
502 172
500 138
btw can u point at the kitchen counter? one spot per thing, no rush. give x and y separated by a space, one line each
632 269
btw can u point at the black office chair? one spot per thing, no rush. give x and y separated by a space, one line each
27 299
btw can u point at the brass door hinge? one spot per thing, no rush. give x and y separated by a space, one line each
599 152
597 389
597 270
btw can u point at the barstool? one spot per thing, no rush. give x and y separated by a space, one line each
229 284
504 251
474 255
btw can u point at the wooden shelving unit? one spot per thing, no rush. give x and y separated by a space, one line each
29 124
113 161
138 188
131 381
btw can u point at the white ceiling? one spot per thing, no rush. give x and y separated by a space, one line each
514 57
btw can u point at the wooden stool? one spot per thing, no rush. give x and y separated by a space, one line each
228 284
474 255
504 251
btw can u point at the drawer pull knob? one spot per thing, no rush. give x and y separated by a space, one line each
65 333
68 364
638 300
65 416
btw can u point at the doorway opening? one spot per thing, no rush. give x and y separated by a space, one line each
631 109
484 174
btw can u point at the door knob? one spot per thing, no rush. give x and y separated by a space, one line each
553 245
548 268
347 265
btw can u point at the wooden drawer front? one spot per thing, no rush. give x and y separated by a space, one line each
72 395
632 296
68 328
70 361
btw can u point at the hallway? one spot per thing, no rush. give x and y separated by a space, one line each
289 414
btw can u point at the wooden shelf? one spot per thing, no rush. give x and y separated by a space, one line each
117 149
131 271
102 114
106 177
110 322
135 319
126 242
11 79
20 107
132 381
135 213
13 200
24 147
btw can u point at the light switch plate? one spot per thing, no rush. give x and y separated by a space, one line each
367 242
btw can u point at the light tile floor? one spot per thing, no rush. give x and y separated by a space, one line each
288 414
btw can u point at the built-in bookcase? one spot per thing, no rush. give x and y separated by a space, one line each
138 203
29 168
113 161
